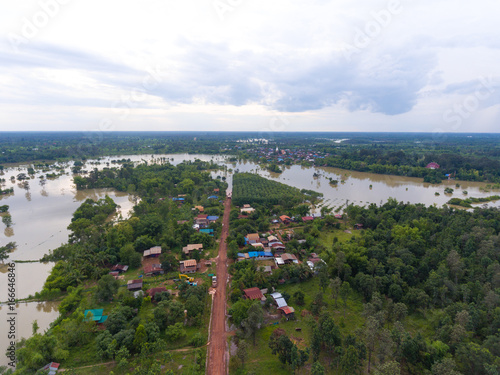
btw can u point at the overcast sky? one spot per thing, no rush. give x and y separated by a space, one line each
313 65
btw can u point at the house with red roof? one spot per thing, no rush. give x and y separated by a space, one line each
253 293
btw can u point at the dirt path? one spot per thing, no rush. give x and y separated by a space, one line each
218 354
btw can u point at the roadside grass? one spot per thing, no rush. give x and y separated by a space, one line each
180 362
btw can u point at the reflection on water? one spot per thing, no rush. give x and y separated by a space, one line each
44 313
42 211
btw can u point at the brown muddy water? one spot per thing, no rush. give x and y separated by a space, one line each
42 210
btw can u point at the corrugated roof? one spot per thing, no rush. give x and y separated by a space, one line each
287 309
190 263
281 302
276 295
192 247
288 256
153 251
152 268
253 237
253 293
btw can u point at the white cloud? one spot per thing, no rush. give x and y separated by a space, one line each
174 64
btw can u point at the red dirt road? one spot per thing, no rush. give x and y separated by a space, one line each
218 354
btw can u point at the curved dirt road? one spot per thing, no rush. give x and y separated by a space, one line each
218 355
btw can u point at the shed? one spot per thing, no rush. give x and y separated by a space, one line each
289 258
134 284
307 218
95 315
287 311
188 266
153 252
276 295
253 293
119 268
188 249
280 302
153 270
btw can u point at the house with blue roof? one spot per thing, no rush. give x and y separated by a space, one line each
210 232
95 315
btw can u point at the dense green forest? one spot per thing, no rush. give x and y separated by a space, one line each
472 157
415 292
139 331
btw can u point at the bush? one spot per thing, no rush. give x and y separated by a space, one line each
197 340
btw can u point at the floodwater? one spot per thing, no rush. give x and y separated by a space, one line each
44 313
42 209
41 212
360 188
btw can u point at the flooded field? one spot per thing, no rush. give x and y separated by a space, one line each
41 210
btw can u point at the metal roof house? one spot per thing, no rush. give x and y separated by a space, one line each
188 266
188 249
280 302
253 293
153 252
287 311
95 315
119 268
153 270
50 368
134 284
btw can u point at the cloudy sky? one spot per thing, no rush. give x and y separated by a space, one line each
312 65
